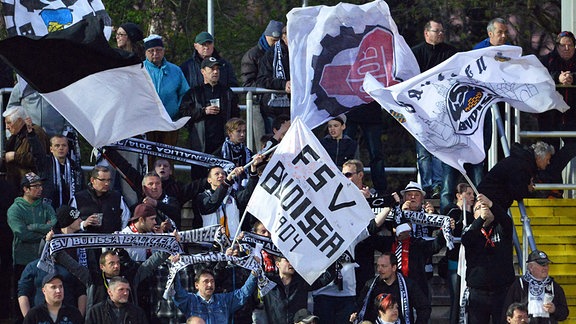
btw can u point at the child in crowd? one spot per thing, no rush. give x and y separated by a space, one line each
340 147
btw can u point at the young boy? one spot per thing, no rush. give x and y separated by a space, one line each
340 147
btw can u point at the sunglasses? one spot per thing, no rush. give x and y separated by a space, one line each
350 174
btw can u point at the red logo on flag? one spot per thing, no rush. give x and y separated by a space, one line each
345 60
375 55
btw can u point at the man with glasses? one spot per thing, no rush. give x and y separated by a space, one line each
169 83
364 250
102 210
431 52
30 219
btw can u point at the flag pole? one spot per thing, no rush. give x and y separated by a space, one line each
470 183
270 150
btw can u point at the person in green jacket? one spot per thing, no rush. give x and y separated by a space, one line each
30 218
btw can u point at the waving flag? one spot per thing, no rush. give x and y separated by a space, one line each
332 49
311 209
444 108
104 93
37 18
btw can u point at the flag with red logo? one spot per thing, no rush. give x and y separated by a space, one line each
444 107
332 49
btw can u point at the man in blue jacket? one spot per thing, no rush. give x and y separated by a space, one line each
213 308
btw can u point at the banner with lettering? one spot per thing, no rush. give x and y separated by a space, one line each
171 152
311 209
160 242
332 49
444 107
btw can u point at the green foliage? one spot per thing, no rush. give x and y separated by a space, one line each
239 23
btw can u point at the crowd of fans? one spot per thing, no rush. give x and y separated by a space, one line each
45 194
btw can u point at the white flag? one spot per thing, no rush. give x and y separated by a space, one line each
332 49
312 210
38 18
105 95
444 107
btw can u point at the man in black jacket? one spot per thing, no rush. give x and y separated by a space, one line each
209 106
204 48
117 308
111 265
390 281
53 291
489 261
512 178
274 73
99 198
290 293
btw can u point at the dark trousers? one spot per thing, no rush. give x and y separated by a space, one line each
486 304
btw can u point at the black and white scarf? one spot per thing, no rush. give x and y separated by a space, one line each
58 177
536 291
276 99
239 154
404 302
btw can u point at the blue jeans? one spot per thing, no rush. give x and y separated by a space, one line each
430 169
475 173
372 134
334 310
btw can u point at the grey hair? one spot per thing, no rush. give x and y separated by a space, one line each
149 175
541 149
490 27
15 113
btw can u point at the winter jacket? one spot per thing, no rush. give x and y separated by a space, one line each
66 315
482 254
191 70
508 180
29 222
340 150
207 131
104 313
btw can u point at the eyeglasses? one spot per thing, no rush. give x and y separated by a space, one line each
438 31
121 34
350 174
104 180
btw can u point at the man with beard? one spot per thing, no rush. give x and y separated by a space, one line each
390 281
211 307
